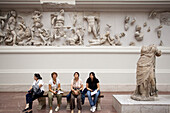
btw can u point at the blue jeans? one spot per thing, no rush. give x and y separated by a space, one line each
94 101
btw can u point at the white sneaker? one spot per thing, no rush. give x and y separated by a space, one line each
51 111
57 108
79 111
93 109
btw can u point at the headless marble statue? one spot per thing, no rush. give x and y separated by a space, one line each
145 75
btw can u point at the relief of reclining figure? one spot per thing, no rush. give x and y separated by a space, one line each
102 40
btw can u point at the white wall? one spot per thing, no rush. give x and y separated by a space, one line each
114 66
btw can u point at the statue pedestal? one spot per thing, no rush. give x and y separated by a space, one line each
124 104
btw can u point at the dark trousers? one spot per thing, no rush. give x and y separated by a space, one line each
82 96
30 98
72 103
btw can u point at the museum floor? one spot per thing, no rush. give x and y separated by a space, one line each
15 102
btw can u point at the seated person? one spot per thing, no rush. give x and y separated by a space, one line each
76 87
92 85
54 88
35 91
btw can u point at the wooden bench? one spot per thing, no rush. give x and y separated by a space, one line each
42 101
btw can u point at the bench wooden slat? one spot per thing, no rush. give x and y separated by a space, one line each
65 95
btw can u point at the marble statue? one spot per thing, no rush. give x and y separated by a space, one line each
149 29
145 74
11 36
2 21
161 43
37 20
117 39
126 23
74 20
145 24
57 20
103 39
91 25
152 14
132 44
24 33
158 29
138 34
2 26
59 32
76 37
37 29
133 21
165 18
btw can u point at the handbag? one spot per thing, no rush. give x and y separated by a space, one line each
77 89
36 89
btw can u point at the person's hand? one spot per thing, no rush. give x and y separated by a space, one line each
54 92
29 91
91 90
76 92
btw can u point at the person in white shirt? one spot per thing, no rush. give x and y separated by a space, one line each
35 91
54 90
76 88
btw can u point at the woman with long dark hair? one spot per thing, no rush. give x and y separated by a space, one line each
35 91
92 85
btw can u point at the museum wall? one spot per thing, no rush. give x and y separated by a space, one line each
36 42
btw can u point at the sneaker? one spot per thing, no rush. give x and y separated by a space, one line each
93 109
79 111
51 111
72 111
25 110
57 108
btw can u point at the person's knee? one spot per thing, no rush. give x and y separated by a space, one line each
98 93
60 96
88 92
72 98
27 95
79 97
50 97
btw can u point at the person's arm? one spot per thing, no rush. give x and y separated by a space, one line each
81 87
29 91
87 86
50 89
98 87
30 88
40 85
59 87
72 86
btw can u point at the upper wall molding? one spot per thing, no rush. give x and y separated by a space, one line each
87 5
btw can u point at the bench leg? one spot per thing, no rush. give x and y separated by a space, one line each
68 105
98 104
42 102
